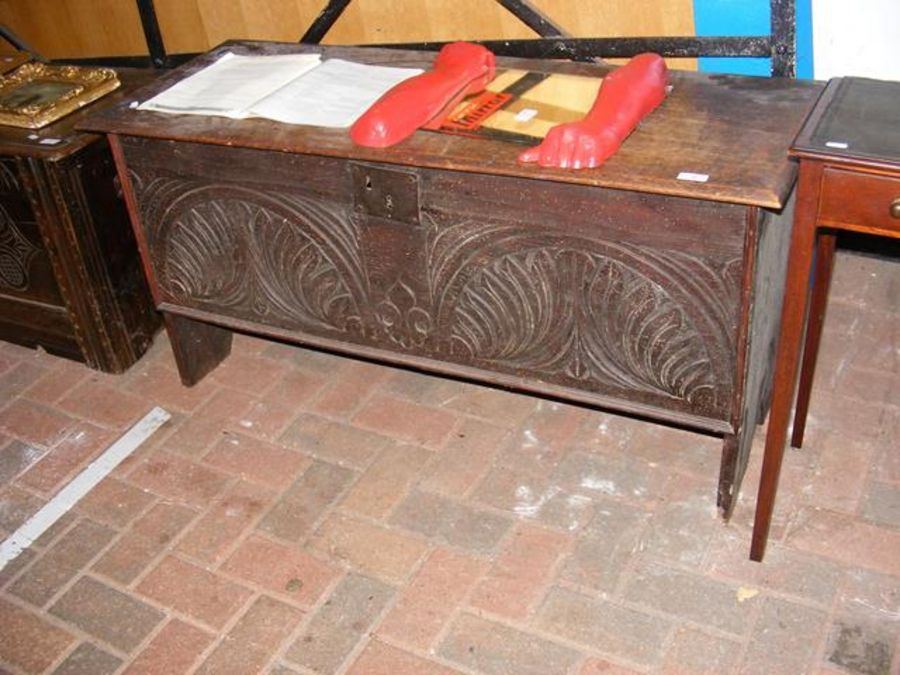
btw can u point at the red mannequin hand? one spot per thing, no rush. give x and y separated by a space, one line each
627 95
575 145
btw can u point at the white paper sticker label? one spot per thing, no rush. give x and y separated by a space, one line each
526 115
693 177
838 145
50 141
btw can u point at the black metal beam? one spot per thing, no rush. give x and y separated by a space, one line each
324 21
580 48
780 45
7 33
152 33
784 38
533 18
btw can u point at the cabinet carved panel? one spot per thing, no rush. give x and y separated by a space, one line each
8 180
16 254
519 298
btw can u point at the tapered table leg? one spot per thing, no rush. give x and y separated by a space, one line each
825 244
787 357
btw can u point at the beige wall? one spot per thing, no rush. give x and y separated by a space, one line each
85 28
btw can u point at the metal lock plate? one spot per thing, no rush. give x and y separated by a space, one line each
383 192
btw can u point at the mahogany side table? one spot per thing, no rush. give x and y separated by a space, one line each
849 154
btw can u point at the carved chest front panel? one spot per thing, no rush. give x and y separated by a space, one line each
620 294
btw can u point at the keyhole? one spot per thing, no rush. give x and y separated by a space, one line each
369 183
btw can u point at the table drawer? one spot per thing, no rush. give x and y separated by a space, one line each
861 201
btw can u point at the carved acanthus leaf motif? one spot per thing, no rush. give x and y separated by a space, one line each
16 253
306 269
584 315
582 310
635 335
201 254
287 259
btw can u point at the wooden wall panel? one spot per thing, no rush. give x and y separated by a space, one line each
76 28
411 20
182 26
79 28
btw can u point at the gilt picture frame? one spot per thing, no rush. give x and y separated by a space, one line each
36 94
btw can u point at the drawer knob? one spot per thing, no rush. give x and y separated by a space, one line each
895 208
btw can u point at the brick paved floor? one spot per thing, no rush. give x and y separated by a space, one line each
305 513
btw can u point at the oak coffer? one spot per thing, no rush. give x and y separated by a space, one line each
625 287
70 280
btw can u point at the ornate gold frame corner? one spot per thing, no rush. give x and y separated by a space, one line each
36 94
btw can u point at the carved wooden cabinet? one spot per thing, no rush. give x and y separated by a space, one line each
622 287
70 280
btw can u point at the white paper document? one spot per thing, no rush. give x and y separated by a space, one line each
293 88
231 85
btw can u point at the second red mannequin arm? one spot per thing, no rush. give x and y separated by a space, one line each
627 95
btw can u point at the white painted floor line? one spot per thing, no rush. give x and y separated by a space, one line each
66 498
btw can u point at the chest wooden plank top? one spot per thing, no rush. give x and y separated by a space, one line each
734 129
622 287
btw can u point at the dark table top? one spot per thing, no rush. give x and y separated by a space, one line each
856 120
737 130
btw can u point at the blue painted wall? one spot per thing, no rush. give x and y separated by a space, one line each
749 17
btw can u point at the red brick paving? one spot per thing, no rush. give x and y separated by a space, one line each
179 479
103 404
115 502
28 641
406 421
213 535
194 591
255 460
387 480
33 422
346 393
248 646
283 569
521 572
429 600
209 422
173 650
116 618
381 659
61 563
305 513
56 383
373 549
466 457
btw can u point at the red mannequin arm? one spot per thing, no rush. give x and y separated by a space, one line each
460 69
627 95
